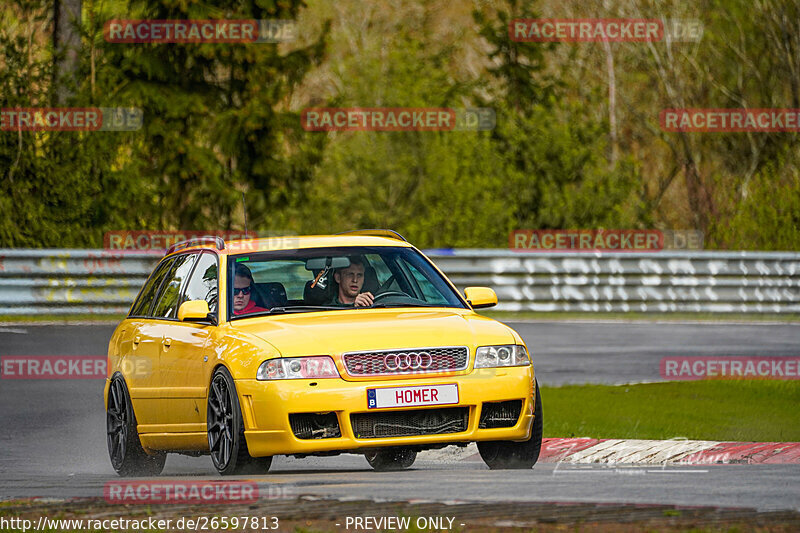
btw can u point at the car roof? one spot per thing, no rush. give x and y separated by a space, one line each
293 242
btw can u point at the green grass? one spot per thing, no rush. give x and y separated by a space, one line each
735 410
510 316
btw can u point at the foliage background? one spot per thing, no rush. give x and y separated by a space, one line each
223 119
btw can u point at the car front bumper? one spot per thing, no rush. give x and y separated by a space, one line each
266 406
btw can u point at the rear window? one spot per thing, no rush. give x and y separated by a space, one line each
145 299
167 303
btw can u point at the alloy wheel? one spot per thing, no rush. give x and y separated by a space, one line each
220 422
117 421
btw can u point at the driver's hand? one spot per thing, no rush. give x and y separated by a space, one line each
364 299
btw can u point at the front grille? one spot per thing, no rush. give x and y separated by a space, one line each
408 361
500 414
314 426
408 423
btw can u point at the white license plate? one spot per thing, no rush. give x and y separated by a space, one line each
412 396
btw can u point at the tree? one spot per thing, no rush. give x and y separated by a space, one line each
554 163
67 45
215 117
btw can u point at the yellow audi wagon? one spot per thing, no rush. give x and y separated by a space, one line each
314 345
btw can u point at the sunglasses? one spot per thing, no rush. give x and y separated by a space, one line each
243 290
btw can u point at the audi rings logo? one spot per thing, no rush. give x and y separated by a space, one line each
408 361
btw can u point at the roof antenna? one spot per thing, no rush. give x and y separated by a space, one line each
244 210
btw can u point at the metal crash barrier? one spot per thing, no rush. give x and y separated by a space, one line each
104 282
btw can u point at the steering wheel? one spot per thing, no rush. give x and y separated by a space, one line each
389 293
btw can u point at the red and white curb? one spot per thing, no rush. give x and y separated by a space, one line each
629 451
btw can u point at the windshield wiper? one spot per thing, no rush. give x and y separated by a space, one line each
291 309
301 308
310 308
384 306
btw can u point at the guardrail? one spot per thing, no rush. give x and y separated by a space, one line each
697 281
101 282
105 282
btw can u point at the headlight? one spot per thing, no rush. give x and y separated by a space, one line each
298 368
494 356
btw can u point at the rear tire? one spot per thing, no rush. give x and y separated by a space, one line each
499 455
226 440
389 459
125 450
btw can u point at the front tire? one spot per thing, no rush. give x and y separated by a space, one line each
226 440
124 447
389 459
499 455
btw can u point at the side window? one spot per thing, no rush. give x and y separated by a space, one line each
203 283
292 275
381 270
167 303
429 292
142 305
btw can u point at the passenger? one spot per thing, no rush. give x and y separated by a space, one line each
242 288
350 280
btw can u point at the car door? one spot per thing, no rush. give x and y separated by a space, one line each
184 360
141 350
185 366
164 329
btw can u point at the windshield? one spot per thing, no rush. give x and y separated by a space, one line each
342 278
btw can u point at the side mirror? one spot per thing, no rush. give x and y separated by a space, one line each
194 311
480 297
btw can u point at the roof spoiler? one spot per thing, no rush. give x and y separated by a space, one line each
375 233
195 241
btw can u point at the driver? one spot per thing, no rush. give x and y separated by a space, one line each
350 280
242 287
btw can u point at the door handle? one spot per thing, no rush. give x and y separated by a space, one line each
166 342
137 339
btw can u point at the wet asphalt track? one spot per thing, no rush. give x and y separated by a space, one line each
53 438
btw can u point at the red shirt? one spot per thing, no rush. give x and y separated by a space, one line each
251 307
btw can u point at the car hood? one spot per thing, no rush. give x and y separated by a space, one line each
337 332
